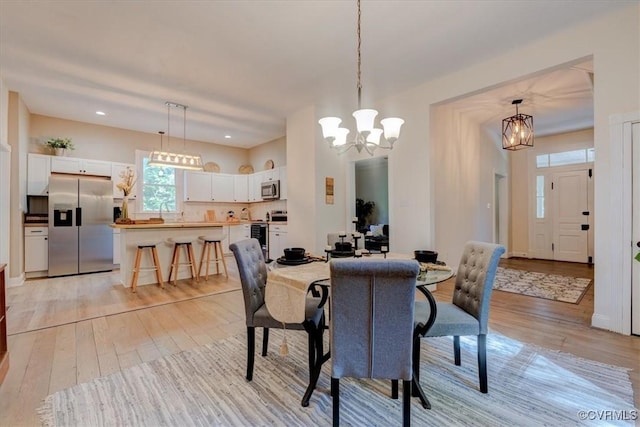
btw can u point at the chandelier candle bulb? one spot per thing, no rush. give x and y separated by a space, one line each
367 137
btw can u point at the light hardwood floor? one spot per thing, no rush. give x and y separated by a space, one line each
68 331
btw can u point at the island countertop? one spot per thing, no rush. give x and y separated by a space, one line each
198 224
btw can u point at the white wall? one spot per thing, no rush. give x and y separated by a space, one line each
463 164
614 43
275 150
5 175
119 145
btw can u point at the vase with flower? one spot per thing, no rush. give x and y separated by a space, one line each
126 186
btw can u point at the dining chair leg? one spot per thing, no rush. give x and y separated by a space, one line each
251 344
265 341
311 347
335 393
394 389
415 361
456 350
482 363
406 403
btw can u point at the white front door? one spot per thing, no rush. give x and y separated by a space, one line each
570 203
635 269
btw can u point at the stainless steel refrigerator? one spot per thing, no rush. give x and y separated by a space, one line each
80 239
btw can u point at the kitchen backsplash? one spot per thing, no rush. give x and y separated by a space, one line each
198 211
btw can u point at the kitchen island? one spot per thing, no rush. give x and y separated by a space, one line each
131 235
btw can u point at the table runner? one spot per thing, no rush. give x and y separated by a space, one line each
287 287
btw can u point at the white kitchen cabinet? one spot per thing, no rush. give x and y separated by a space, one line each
75 165
197 186
208 187
277 240
38 172
116 246
241 188
222 187
238 232
36 249
254 188
116 170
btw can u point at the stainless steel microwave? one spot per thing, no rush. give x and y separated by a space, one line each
270 190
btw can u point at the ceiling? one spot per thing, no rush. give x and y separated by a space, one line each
243 66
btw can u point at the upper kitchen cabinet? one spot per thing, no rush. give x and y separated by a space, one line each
241 188
80 166
118 169
38 171
208 187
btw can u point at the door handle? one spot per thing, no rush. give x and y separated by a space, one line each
584 227
78 217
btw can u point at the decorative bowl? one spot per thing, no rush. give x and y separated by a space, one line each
426 256
292 254
343 246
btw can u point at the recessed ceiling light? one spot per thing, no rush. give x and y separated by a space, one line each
101 113
227 136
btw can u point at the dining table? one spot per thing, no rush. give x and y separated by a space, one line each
288 287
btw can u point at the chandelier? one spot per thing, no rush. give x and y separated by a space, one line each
170 159
517 131
367 136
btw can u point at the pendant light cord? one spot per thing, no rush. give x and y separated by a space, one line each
359 60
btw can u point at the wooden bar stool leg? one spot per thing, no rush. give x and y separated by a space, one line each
224 263
174 263
204 248
192 261
156 263
136 268
208 259
217 256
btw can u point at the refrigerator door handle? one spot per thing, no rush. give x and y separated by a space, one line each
78 217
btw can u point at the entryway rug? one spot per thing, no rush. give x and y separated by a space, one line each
541 285
528 386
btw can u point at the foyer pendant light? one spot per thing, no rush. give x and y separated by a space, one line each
367 137
180 160
517 131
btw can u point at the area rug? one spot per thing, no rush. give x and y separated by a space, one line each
541 285
528 386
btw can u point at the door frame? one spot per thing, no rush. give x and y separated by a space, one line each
619 238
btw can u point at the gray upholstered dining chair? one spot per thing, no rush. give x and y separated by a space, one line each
372 303
253 277
468 313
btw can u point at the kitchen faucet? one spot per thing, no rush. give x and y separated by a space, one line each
166 208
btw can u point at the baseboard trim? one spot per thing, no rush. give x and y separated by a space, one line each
518 255
15 281
601 321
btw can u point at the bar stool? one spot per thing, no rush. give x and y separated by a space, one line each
175 259
137 268
214 240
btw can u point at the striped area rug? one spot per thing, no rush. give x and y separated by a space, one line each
528 386
541 285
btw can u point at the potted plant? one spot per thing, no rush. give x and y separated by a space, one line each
363 212
60 145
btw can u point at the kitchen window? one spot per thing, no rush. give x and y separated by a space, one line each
158 186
